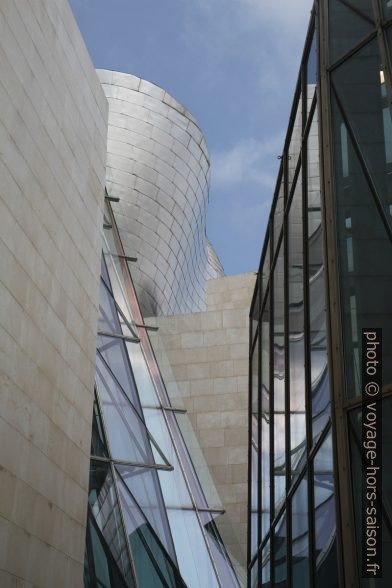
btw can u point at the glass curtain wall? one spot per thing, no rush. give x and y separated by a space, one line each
358 93
308 478
148 520
293 538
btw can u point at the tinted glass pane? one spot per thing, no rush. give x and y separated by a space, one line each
387 7
265 270
317 314
144 486
279 383
278 216
104 507
153 565
280 555
295 144
324 517
300 536
127 434
365 253
265 422
194 560
98 443
255 310
296 332
360 86
100 569
346 27
311 72
219 553
266 565
174 489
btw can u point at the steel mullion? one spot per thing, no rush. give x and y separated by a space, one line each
259 439
271 405
250 402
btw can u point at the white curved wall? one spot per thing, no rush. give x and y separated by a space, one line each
158 165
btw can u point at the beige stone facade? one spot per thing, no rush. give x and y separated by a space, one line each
53 120
204 359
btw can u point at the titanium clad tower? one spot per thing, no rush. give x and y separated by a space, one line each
158 166
325 275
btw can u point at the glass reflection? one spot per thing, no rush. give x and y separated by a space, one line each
296 333
279 383
104 507
295 144
364 245
153 565
317 314
325 517
192 553
265 421
347 27
266 565
144 486
300 536
280 555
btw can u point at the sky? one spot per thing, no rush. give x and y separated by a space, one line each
233 64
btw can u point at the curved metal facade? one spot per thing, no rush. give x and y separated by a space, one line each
158 166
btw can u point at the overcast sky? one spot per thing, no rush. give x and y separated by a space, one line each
233 64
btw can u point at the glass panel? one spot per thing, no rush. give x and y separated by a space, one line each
383 501
174 489
279 383
254 512
265 270
360 85
254 574
153 565
324 517
218 550
128 437
387 8
144 486
266 565
365 252
255 310
311 73
278 215
113 349
98 443
300 536
317 315
280 555
295 144
265 422
296 333
100 569
346 28
191 549
103 502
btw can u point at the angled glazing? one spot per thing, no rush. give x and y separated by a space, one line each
149 523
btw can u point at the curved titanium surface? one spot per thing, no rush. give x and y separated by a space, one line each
158 166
